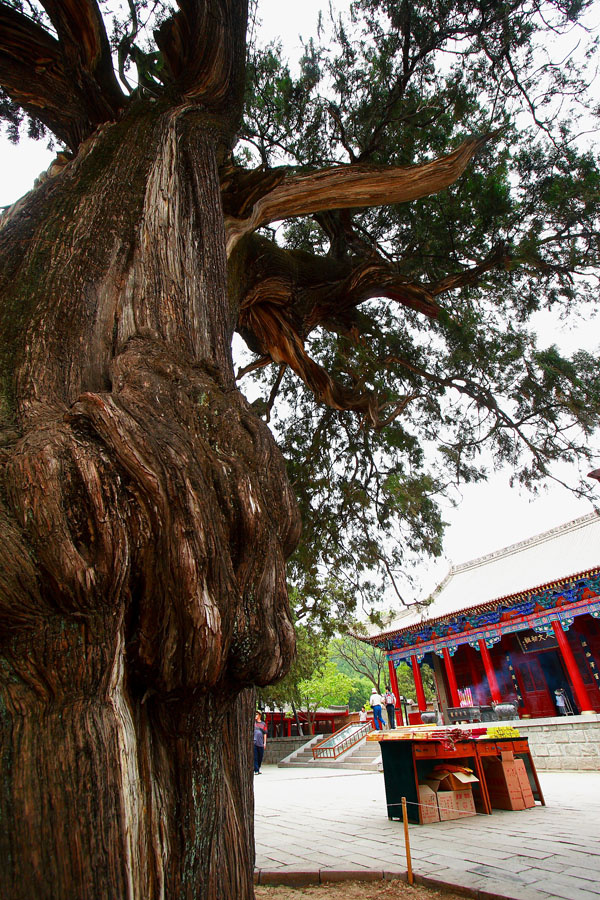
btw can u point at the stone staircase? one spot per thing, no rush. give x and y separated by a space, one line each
278 748
365 756
303 756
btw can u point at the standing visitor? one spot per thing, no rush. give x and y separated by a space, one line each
362 716
376 702
260 742
560 701
390 705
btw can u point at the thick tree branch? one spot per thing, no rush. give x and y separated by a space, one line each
344 187
367 279
82 35
204 46
33 74
497 258
51 84
242 188
271 328
318 290
282 295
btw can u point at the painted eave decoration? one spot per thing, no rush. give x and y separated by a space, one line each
506 591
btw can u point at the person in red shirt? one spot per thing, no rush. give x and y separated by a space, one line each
260 742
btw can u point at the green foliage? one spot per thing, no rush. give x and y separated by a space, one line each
360 693
406 682
396 83
311 657
368 667
355 658
310 682
327 687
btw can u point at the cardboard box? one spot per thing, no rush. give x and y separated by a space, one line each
452 804
457 781
502 779
524 783
429 805
455 804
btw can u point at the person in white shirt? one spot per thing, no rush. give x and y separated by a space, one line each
562 702
376 703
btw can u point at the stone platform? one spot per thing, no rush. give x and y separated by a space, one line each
569 743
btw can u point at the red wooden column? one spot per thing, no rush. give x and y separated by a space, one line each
422 702
575 678
396 691
449 665
489 671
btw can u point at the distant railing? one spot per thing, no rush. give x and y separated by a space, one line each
342 740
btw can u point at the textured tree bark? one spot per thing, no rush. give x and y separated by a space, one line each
145 518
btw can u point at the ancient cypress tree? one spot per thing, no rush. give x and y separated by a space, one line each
145 508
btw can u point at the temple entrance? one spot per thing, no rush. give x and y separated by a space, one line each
555 678
540 675
537 699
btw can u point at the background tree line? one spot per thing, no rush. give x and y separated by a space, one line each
338 671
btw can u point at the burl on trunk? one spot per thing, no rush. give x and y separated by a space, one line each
146 517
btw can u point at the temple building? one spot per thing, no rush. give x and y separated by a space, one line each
520 625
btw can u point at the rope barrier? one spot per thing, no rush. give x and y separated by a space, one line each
461 816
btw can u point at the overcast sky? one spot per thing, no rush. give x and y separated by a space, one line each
489 516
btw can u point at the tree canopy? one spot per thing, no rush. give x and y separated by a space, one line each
367 666
404 334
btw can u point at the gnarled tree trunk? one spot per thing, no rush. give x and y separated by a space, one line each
146 517
145 514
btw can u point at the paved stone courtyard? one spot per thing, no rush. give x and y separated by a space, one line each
336 820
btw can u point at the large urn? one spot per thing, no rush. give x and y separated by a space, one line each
506 710
428 718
